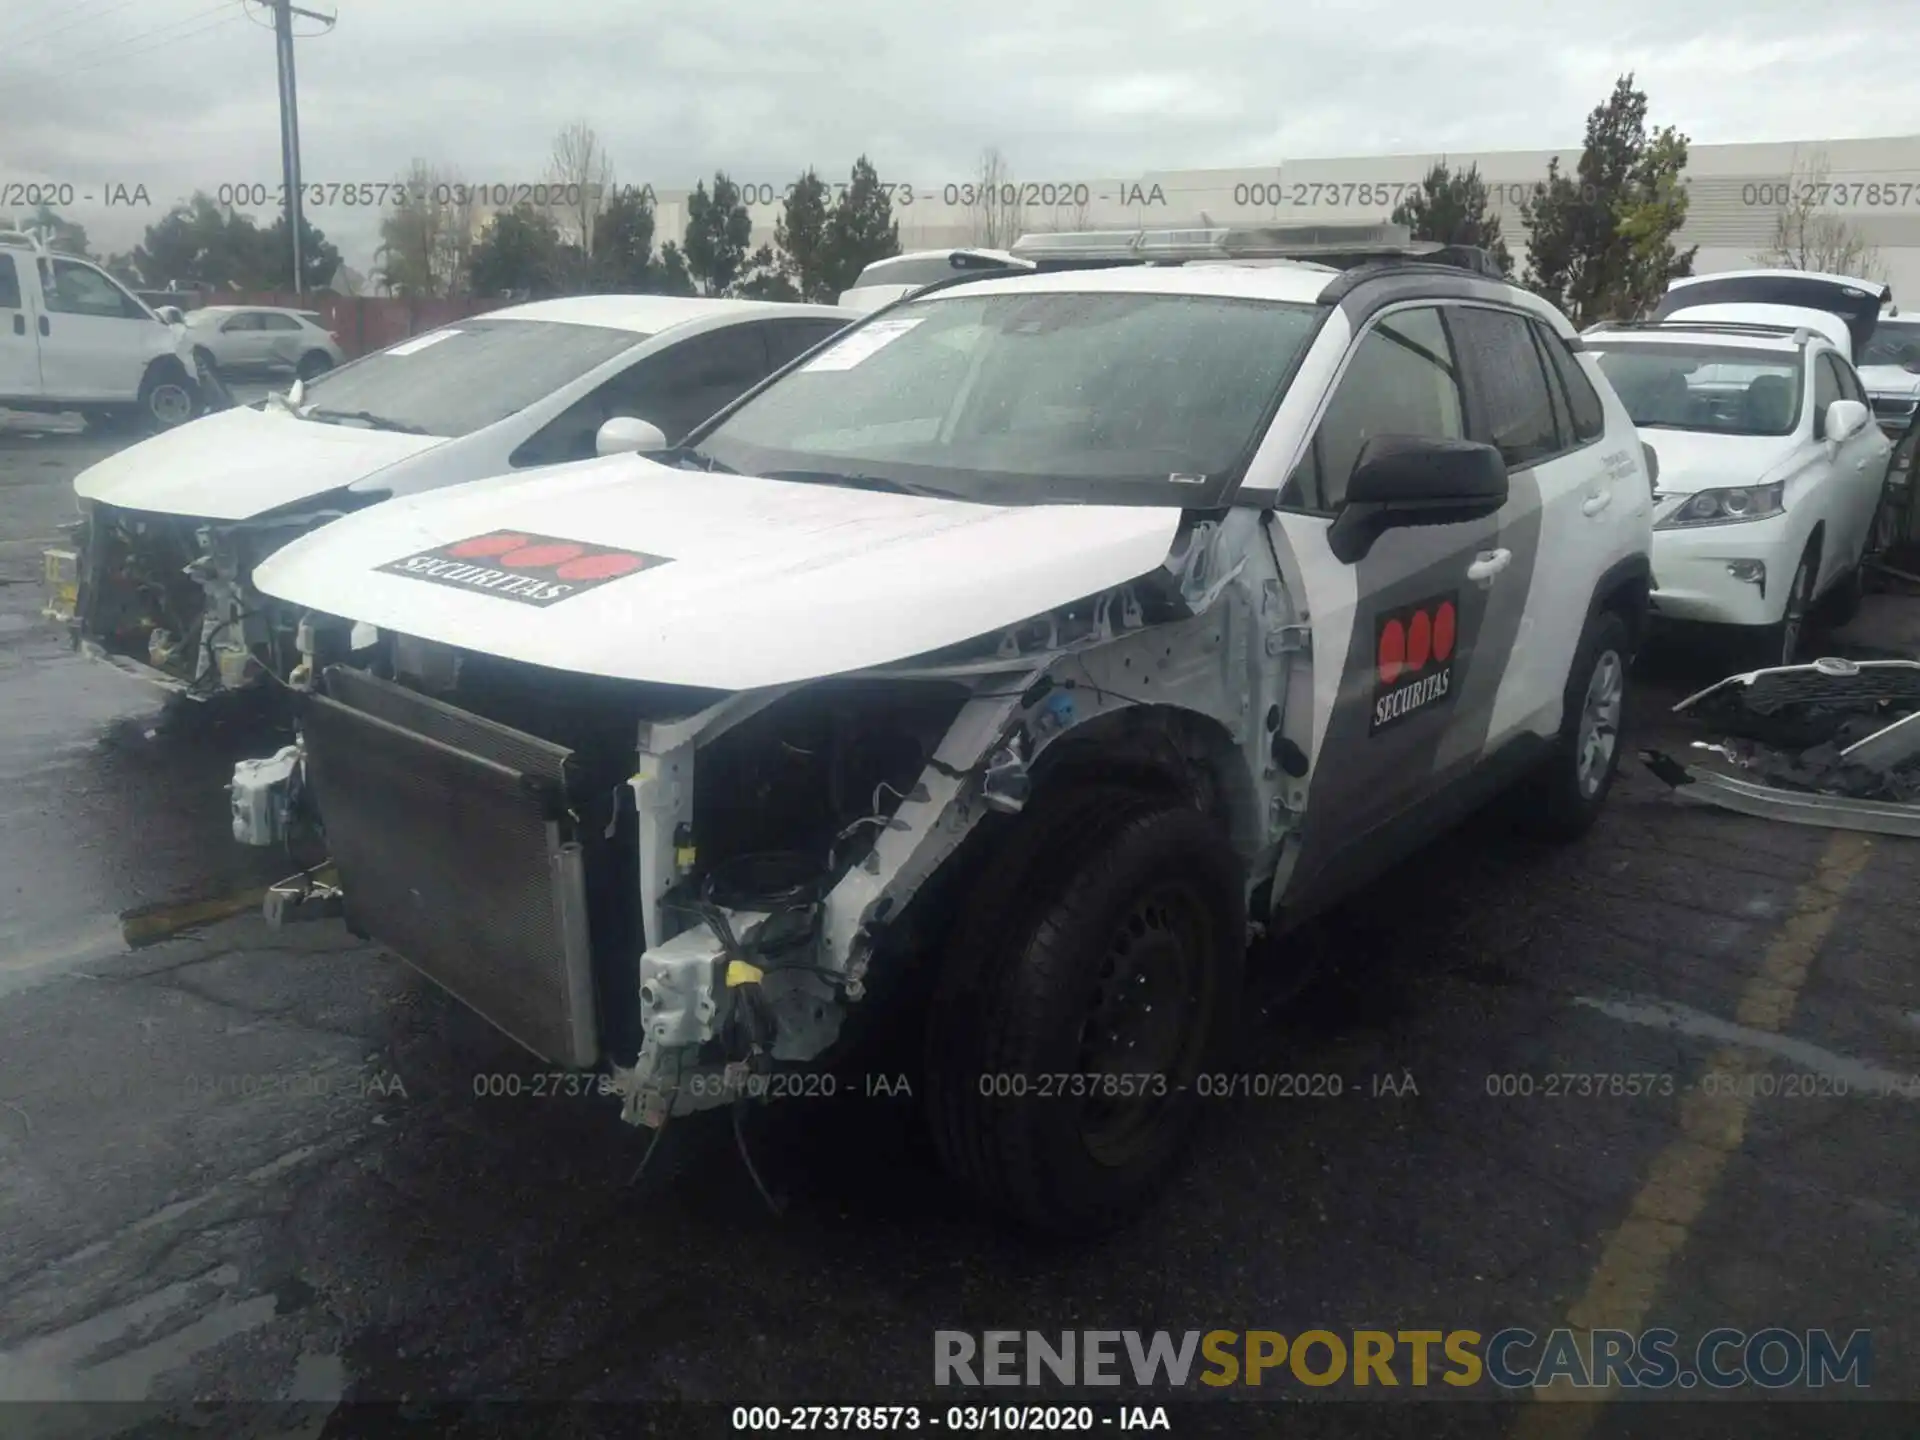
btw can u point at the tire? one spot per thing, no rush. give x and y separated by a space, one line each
167 398
313 364
1564 796
1772 646
204 361
1097 891
1842 603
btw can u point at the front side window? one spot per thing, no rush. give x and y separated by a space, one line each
1712 389
1402 380
1826 390
1031 397
76 289
240 325
465 376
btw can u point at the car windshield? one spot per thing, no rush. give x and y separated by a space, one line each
1717 389
1030 398
474 373
1893 343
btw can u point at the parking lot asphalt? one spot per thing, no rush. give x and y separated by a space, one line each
240 1164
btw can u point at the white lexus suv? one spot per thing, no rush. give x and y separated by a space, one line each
1770 470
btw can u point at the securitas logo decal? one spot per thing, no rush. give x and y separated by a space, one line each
532 569
1413 653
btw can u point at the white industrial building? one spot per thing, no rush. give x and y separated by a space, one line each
1738 192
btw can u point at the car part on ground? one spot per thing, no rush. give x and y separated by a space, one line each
1834 743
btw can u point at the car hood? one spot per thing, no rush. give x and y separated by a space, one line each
1889 380
1691 460
243 462
623 567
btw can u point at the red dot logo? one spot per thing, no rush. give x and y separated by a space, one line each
1419 640
540 557
484 546
1393 651
1444 621
598 567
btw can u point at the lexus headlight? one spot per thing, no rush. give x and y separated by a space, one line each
1727 507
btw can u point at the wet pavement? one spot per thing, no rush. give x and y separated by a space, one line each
247 1165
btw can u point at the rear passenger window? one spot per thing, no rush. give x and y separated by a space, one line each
1589 419
9 285
789 339
1507 371
1402 380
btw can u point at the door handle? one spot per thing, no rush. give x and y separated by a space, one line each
1596 503
1487 564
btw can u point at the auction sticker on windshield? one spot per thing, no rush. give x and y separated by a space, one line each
421 342
863 343
529 569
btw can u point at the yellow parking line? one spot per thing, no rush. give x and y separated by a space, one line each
1633 1266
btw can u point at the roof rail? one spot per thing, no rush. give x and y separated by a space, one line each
1334 246
32 239
1799 334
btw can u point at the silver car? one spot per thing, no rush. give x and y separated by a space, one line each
235 339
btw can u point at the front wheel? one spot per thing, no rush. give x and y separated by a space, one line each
1778 644
166 399
1564 797
1092 983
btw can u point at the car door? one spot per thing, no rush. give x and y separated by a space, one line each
1425 615
93 335
1562 509
242 343
19 336
1861 462
280 340
1835 474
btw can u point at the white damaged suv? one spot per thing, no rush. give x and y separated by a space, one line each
1017 656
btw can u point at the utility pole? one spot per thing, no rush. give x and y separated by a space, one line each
283 13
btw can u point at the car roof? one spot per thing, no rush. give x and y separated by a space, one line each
650 314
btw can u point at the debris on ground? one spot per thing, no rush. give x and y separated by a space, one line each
1833 743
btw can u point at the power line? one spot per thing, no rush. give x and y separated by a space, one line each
167 35
75 17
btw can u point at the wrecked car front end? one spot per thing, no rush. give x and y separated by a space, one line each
692 888
169 598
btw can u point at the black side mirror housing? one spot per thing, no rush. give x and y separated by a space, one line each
1415 480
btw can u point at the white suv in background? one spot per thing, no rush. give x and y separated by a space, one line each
74 338
1770 469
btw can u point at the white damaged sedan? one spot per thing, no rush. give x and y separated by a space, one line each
158 581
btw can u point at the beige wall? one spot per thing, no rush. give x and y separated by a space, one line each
1731 216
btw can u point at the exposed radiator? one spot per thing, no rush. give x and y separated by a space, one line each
451 839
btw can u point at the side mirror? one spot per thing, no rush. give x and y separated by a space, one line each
1845 419
626 435
170 315
1415 480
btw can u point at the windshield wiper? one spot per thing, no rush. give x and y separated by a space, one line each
694 460
858 482
365 417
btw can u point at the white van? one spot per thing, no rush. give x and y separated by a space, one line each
74 338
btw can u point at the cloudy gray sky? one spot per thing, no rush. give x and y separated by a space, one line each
180 94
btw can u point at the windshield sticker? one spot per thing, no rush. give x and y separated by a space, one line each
421 342
531 569
1413 649
863 343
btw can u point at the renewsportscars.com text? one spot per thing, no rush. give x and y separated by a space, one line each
1510 1359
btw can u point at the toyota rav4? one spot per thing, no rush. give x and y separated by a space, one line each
1022 652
